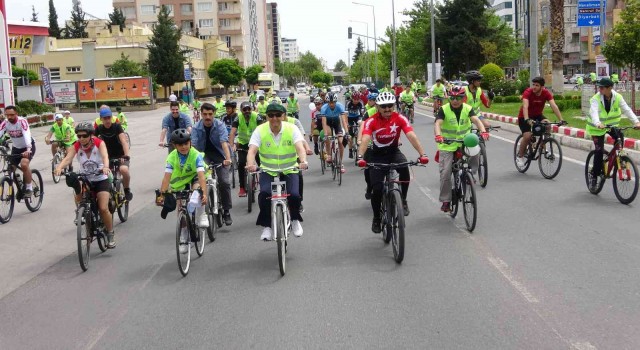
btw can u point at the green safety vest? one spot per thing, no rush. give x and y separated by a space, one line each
580 81
244 130
452 129
123 121
614 78
474 101
262 108
69 121
593 77
277 156
220 109
182 175
371 111
60 132
613 117
407 97
253 98
275 100
113 121
438 91
184 108
292 105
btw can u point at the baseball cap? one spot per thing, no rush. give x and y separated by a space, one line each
105 112
276 107
605 82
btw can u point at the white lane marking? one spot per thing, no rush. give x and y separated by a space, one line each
504 269
583 346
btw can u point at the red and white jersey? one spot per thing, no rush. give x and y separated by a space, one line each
90 160
19 132
386 132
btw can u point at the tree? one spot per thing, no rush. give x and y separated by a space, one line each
557 44
124 67
359 50
321 77
166 59
308 62
19 74
226 71
492 74
251 74
621 47
117 18
77 26
54 28
340 66
34 14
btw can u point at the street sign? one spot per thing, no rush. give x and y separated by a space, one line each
589 12
187 74
596 35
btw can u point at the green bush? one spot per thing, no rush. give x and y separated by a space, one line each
558 97
561 105
505 87
498 99
512 99
29 107
524 76
492 74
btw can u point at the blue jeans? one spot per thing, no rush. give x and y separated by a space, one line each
264 200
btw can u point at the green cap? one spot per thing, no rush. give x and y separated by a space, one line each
606 82
276 107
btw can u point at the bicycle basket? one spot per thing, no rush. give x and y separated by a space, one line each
538 129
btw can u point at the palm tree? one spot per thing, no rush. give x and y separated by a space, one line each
557 44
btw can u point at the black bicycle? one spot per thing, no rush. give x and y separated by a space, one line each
5 150
543 148
8 195
391 210
483 167
462 188
118 201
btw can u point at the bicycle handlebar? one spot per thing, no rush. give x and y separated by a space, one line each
611 126
393 165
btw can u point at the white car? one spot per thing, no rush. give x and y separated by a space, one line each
336 89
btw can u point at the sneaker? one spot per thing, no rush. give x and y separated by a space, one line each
351 154
227 218
520 162
296 227
242 193
111 241
342 169
128 195
376 225
267 234
405 207
315 149
203 221
446 207
27 193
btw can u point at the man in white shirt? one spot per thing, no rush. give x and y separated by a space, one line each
23 148
173 97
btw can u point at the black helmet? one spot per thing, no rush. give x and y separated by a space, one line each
244 105
231 104
86 127
331 97
473 75
180 136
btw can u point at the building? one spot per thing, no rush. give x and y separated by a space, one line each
273 24
239 23
290 50
505 9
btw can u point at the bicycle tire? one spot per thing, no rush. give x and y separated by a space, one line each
83 236
483 167
386 229
455 200
233 176
323 165
334 162
38 192
183 266
527 163
7 200
219 217
250 194
397 226
281 240
126 134
339 170
213 228
587 174
102 241
469 202
200 235
552 146
54 164
630 171
122 204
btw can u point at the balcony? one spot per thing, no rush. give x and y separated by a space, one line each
230 31
229 15
123 1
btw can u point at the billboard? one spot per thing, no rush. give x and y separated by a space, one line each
64 92
117 89
21 45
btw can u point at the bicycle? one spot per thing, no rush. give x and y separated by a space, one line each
354 145
336 164
234 167
5 150
8 196
118 201
61 152
483 168
323 162
391 210
213 207
252 185
616 165
407 111
89 225
543 148
462 188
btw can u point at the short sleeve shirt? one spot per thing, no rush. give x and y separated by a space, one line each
111 137
183 158
386 132
332 113
355 109
536 103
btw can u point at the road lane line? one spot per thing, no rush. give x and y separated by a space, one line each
504 269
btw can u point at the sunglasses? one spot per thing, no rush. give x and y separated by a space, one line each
456 98
82 136
247 110
386 106
274 115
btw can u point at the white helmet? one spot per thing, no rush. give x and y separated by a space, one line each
385 98
59 116
66 112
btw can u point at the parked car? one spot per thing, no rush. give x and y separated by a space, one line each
574 78
313 93
336 88
283 94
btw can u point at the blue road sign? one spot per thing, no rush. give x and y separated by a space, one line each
589 13
187 74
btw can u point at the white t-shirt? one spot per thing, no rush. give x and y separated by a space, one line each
173 98
19 132
256 140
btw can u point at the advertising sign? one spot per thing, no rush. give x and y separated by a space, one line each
119 89
602 67
21 45
64 92
46 84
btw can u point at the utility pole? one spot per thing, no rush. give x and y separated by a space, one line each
394 62
603 16
375 42
533 38
433 46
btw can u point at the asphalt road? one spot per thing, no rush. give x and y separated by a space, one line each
549 266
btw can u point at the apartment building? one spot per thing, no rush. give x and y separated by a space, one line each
505 9
290 50
273 25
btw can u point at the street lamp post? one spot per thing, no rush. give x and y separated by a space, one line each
433 47
394 62
374 35
367 56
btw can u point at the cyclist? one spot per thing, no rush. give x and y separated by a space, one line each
274 98
439 93
316 123
286 152
408 98
354 110
372 89
122 118
184 107
454 121
171 122
63 133
117 147
68 120
243 126
186 168
196 109
593 77
23 144
230 115
219 104
210 137
92 156
474 96
607 107
261 107
579 82
98 121
397 90
383 129
332 113
293 107
371 108
533 101
253 99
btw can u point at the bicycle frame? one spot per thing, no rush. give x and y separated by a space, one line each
279 199
613 157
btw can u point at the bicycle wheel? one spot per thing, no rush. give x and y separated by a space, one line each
54 164
126 134
386 223
550 160
469 202
7 200
588 166
102 239
83 232
34 202
527 162
323 164
213 228
281 240
200 234
121 202
625 180
483 168
339 170
455 197
397 225
184 260
234 166
250 193
334 163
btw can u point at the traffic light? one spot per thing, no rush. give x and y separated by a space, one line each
92 83
350 33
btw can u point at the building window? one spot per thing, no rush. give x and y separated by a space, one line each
186 9
74 69
129 12
205 6
224 22
508 5
206 23
223 6
147 9
507 18
170 7
187 26
228 40
55 73
107 71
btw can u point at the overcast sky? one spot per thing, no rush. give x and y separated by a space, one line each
319 26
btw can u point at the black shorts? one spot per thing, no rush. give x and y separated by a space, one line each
335 124
15 161
319 124
95 187
525 127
